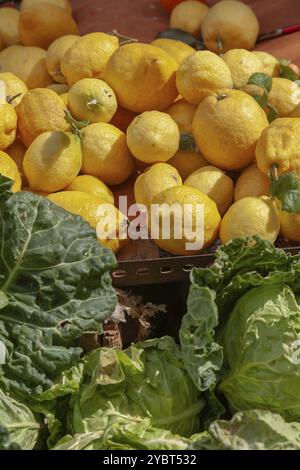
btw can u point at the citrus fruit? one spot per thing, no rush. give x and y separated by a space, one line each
64 4
35 191
242 65
55 54
290 225
251 216
227 126
187 161
59 88
8 125
201 74
229 25
123 118
92 100
176 49
9 25
92 185
105 153
188 16
270 63
284 96
182 113
9 169
17 151
251 183
88 57
53 161
64 98
15 88
143 77
214 183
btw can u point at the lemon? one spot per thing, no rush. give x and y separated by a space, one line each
42 23
290 225
27 63
2 43
201 74
105 153
251 183
53 161
9 26
35 191
251 216
187 161
188 16
15 88
17 151
88 57
279 146
143 77
295 112
229 25
284 96
92 100
64 4
64 98
153 137
214 183
91 185
270 63
153 181
87 206
227 127
8 125
59 88
40 110
55 54
9 169
176 49
242 65
188 200
182 113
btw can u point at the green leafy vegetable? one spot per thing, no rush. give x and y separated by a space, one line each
265 82
183 36
5 443
286 189
187 142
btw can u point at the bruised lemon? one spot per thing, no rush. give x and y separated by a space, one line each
176 49
15 88
9 169
55 54
91 185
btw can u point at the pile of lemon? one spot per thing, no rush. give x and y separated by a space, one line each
81 114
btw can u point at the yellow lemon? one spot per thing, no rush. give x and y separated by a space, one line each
187 161
227 126
92 100
9 26
59 88
214 183
242 65
88 57
35 191
270 63
105 153
176 49
8 125
55 54
153 137
251 216
229 25
53 161
28 63
182 113
290 225
64 4
279 146
201 74
17 151
64 98
188 16
186 200
40 110
153 181
9 169
284 96
42 23
91 185
15 88
143 77
251 183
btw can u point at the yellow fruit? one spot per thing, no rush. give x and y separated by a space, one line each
41 24
9 26
279 145
55 54
105 153
214 183
59 88
17 151
64 98
35 191
201 74
188 16
182 113
252 183
227 127
295 112
153 137
87 206
290 225
41 110
28 63
153 181
284 96
53 161
242 65
88 57
186 162
14 87
92 100
251 216
92 185
64 4
9 169
2 43
192 199
176 49
229 25
143 77
8 125
270 63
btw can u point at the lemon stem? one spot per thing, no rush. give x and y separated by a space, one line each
76 126
222 97
274 172
220 44
93 103
10 99
123 39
